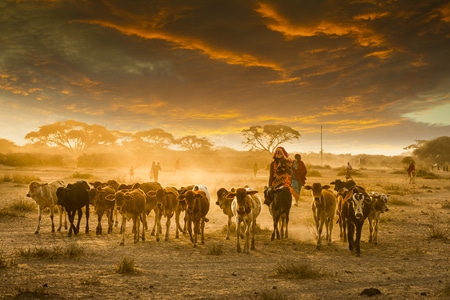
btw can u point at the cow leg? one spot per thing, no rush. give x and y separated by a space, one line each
350 233
144 217
196 231
370 221
87 218
202 231
110 220
167 228
238 235
247 237
122 230
253 235
177 225
71 215
275 229
375 233
189 228
39 220
77 228
330 222
62 214
98 230
116 215
158 225
358 238
136 226
319 233
229 227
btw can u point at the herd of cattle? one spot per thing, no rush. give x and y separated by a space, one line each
350 203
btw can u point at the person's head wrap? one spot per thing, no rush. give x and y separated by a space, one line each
281 150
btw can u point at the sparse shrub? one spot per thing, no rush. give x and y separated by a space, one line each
297 270
270 295
27 293
126 266
19 178
71 251
398 202
314 173
82 175
18 208
216 250
438 229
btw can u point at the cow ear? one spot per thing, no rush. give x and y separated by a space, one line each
326 187
109 197
308 187
231 195
252 192
151 193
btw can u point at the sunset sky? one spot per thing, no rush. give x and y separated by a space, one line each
374 74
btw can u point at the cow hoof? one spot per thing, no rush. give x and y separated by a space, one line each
36 232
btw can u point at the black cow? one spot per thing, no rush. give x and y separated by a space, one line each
279 202
355 209
339 184
342 187
73 198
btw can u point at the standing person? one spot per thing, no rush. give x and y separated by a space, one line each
411 172
348 173
150 174
255 169
280 169
298 177
155 171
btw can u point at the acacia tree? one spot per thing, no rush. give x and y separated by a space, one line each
268 137
435 151
157 137
72 135
192 142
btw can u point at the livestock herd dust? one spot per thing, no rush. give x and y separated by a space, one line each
410 260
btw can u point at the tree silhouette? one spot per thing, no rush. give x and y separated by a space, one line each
192 142
268 137
435 151
72 135
156 137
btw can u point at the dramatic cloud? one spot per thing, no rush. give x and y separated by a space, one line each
374 75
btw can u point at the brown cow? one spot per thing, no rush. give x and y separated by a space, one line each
379 206
197 207
224 200
131 206
246 207
167 206
97 198
323 208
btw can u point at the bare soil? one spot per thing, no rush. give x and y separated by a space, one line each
407 263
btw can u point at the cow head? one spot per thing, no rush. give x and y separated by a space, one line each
316 191
223 196
244 203
269 195
380 201
35 189
358 200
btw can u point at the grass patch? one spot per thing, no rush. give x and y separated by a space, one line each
295 270
270 295
82 175
126 266
216 250
70 251
27 293
19 178
18 208
314 173
438 229
4 262
398 202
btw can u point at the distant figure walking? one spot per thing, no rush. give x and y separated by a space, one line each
131 172
298 177
255 169
411 173
348 171
154 172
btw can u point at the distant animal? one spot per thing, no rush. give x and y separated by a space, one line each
324 209
45 196
97 198
167 203
279 201
379 206
224 200
246 207
339 184
131 206
73 198
356 208
197 207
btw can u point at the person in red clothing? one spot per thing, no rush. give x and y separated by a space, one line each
280 169
298 177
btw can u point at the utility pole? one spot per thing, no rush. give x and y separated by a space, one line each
321 149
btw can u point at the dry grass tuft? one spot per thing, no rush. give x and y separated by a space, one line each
126 266
297 270
70 251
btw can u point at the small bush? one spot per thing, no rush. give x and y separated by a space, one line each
70 251
216 250
314 173
297 270
18 208
18 178
438 229
126 266
82 175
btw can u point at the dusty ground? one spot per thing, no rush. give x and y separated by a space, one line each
406 264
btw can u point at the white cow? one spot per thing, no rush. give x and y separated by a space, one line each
45 196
